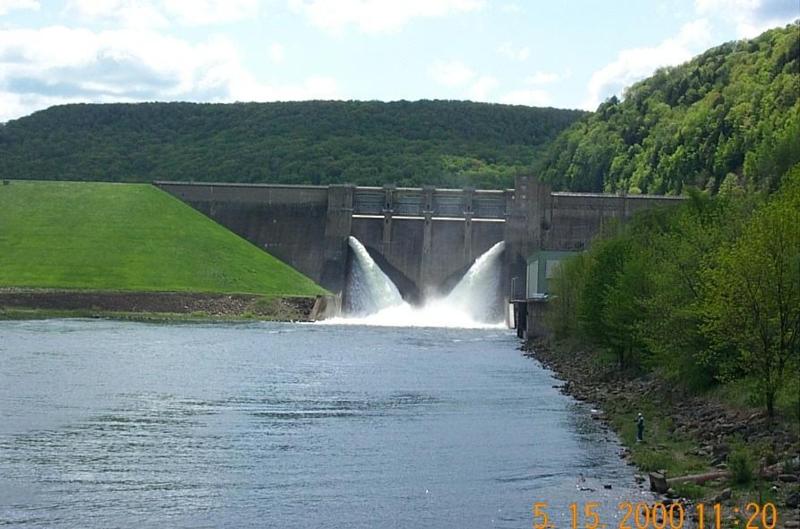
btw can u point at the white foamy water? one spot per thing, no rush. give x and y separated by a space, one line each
374 300
476 292
370 290
433 314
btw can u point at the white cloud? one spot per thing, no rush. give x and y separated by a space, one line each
531 97
635 64
457 75
206 12
42 67
244 87
128 13
6 6
376 16
160 13
511 8
451 73
277 52
508 51
751 17
540 78
481 88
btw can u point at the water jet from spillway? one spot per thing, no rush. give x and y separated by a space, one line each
476 292
369 290
372 298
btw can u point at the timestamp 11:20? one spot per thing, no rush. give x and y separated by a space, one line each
659 516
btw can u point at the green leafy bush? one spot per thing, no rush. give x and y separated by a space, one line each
740 463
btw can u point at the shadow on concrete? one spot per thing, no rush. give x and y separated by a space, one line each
408 289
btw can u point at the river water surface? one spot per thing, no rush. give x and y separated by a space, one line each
110 424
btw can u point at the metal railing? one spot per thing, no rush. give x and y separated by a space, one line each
449 203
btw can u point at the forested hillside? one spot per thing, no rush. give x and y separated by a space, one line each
702 299
315 142
731 113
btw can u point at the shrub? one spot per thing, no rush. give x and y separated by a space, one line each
690 490
741 464
791 465
651 461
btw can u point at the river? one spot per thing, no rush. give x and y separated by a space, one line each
114 424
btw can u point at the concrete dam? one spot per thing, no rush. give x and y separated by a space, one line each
424 239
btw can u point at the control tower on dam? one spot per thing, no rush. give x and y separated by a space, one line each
424 238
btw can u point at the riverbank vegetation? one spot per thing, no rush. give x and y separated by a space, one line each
691 315
128 238
708 293
444 143
705 295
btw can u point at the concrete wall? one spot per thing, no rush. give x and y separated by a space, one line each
536 319
287 222
572 220
526 207
560 224
423 238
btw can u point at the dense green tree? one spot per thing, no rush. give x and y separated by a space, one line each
753 293
605 266
567 285
704 293
681 249
735 109
447 143
622 315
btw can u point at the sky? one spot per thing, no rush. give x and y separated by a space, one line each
562 53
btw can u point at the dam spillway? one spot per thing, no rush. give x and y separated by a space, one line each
368 289
424 239
371 298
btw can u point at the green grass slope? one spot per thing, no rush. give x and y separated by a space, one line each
128 237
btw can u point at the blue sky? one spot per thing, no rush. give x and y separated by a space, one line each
569 54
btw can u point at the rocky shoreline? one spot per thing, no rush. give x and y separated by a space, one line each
694 430
155 305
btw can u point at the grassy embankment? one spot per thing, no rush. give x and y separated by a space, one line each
123 238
